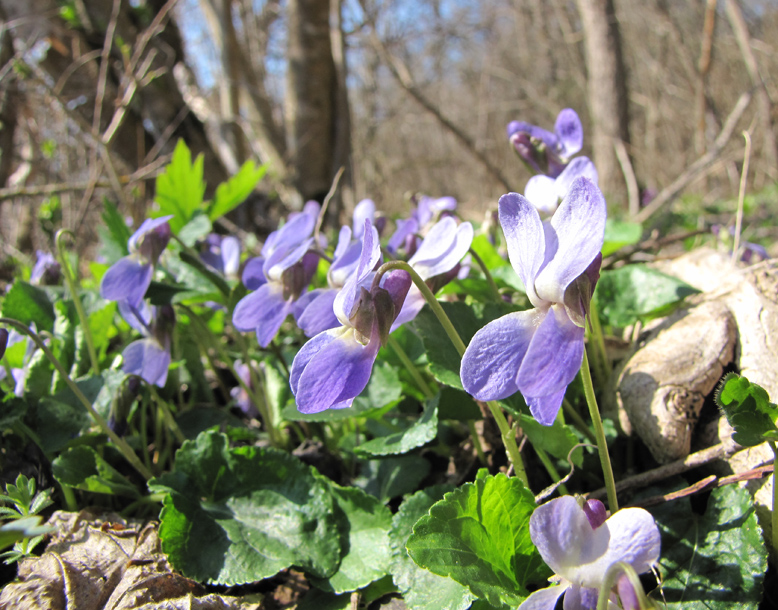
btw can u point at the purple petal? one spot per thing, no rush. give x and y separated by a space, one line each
280 260
493 358
525 239
364 210
308 351
569 132
147 359
337 372
581 598
230 247
344 240
319 316
545 408
595 512
398 284
405 228
577 168
543 599
371 254
442 248
295 231
147 226
554 356
412 305
138 317
563 535
264 311
579 228
253 276
127 279
568 544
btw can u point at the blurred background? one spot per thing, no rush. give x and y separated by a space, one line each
408 96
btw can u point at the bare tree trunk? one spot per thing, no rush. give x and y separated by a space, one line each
607 87
8 103
310 97
342 146
739 27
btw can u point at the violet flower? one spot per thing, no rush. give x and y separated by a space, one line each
406 235
129 277
334 367
222 253
546 152
278 278
437 262
314 312
546 193
149 358
580 545
538 352
46 271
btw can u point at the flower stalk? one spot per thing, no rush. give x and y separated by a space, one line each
508 435
599 432
72 283
120 443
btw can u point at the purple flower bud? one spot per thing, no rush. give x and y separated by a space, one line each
595 512
46 271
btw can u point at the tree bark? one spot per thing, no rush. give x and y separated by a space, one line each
607 92
9 101
310 97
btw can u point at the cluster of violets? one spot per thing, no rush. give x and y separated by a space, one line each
553 233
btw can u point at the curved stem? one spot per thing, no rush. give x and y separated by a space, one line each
774 516
508 435
120 443
72 283
489 279
599 432
411 368
611 579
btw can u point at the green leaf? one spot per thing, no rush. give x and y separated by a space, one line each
420 433
479 536
81 467
390 477
366 549
180 188
444 360
635 292
21 529
240 515
712 561
619 234
232 193
488 253
421 588
28 304
114 235
459 405
317 599
557 439
56 423
195 229
748 410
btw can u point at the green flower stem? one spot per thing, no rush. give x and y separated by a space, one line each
508 436
120 443
612 576
69 497
599 432
551 469
168 416
411 368
257 398
72 283
774 517
487 274
598 338
476 441
578 421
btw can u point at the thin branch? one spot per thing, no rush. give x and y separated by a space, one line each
670 192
